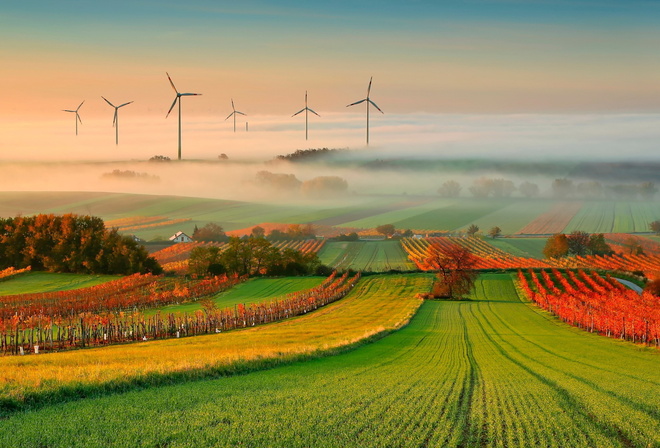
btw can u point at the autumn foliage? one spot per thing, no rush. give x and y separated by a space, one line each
73 329
595 303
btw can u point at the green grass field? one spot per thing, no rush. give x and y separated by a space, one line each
48 281
521 247
370 256
252 291
491 372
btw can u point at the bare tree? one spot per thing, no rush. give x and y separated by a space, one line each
455 269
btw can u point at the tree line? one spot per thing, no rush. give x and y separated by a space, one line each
253 256
562 188
71 243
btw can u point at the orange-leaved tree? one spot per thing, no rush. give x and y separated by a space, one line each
455 269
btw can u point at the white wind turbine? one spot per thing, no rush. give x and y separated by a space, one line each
368 101
77 115
178 98
115 120
234 114
307 110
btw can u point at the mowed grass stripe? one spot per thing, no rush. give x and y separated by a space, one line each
252 291
488 372
377 304
33 282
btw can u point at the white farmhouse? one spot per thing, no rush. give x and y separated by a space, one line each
180 237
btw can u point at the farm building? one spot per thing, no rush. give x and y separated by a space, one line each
180 237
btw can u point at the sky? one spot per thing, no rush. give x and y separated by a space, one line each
447 75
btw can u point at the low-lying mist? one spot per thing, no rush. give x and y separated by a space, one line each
336 178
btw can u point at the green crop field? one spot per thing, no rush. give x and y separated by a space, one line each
252 291
513 216
490 372
48 281
619 217
521 247
370 256
461 213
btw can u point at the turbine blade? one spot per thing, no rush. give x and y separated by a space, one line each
78 116
301 110
313 112
168 77
125 104
189 94
241 113
374 104
229 116
80 105
65 110
172 107
357 102
232 104
106 100
369 88
114 119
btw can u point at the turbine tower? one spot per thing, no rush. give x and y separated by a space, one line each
178 98
77 115
115 120
234 114
307 110
368 101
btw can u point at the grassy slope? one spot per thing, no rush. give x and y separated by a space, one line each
375 305
521 247
252 291
490 372
48 281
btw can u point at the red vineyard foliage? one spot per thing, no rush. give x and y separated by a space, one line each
595 304
489 257
134 292
19 336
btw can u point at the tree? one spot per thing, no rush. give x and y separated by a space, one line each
655 227
495 232
324 186
633 246
210 232
472 230
598 246
386 229
258 232
562 188
450 189
529 189
578 242
556 246
647 190
455 269
204 261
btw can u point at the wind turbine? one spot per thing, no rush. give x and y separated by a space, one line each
178 98
77 115
368 101
115 120
234 114
307 110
